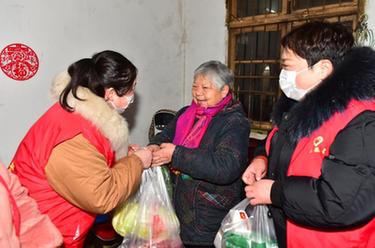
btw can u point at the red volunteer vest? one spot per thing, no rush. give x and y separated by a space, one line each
53 128
307 160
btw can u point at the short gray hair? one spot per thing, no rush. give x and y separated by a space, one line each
219 73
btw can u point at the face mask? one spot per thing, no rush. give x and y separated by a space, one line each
119 110
129 99
287 81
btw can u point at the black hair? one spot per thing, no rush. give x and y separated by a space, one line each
319 40
107 69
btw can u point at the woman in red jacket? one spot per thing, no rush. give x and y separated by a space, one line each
320 155
74 159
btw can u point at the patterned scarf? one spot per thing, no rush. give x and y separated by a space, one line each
188 133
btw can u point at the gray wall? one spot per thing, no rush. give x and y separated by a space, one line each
165 39
370 10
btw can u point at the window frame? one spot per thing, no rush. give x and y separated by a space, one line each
285 20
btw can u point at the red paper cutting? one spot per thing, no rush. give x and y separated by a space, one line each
19 61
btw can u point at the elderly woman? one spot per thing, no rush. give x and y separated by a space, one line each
207 146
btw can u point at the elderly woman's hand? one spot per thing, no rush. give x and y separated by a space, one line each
153 148
163 155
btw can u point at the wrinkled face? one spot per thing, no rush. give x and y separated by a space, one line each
307 76
205 93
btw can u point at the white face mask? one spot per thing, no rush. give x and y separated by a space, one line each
119 110
129 99
287 81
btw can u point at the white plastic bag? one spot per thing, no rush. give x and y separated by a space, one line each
148 219
246 226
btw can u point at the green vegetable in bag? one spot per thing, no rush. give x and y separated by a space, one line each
258 245
148 218
233 240
246 226
124 218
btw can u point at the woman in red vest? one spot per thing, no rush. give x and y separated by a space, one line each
74 159
320 158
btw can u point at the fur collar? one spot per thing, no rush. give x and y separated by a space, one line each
353 79
111 124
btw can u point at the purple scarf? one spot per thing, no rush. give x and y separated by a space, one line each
189 134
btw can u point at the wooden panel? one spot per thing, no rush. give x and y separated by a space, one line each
312 13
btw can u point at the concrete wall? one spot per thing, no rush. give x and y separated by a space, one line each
165 39
205 35
370 10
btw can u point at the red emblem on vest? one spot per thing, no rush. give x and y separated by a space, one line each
19 61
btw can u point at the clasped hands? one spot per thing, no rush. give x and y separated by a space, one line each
258 190
159 154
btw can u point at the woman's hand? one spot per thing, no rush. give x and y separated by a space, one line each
256 170
132 148
163 155
145 155
259 192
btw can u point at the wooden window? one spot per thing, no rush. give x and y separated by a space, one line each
251 8
255 30
303 4
256 69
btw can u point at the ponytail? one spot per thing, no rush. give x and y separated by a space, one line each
107 69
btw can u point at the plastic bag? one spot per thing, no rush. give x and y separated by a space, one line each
246 226
148 219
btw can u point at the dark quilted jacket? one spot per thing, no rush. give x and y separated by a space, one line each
215 170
